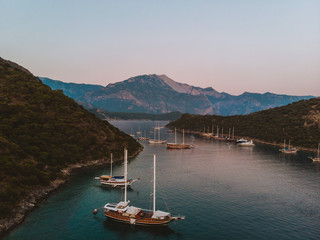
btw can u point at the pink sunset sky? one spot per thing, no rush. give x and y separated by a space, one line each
233 46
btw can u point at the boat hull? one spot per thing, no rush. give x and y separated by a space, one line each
157 141
137 220
288 151
179 146
246 144
316 159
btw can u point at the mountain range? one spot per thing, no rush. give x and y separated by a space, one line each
160 94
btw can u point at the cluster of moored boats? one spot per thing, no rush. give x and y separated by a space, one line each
287 149
157 139
229 138
124 212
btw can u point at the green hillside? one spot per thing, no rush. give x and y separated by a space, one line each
299 122
41 131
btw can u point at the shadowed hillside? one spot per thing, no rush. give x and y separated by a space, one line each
42 131
299 122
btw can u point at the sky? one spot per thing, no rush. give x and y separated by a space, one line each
234 46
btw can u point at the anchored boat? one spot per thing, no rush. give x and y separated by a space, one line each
288 150
114 181
154 140
176 145
125 213
246 143
317 158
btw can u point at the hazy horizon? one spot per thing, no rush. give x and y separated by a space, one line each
231 46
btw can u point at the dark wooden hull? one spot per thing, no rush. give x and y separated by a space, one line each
179 146
137 220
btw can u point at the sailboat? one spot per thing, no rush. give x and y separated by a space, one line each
143 139
176 145
288 150
154 140
207 134
114 181
231 139
317 158
123 212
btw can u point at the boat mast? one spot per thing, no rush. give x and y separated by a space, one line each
175 135
111 165
318 149
289 145
233 133
125 174
229 133
154 182
183 136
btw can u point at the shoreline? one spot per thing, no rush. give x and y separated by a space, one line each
35 197
256 140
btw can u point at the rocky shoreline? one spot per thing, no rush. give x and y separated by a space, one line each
37 196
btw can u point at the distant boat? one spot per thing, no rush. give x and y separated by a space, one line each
154 140
114 181
219 137
246 144
139 132
317 158
176 145
124 213
143 139
288 150
231 139
241 140
131 133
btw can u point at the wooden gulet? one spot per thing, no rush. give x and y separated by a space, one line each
124 213
176 145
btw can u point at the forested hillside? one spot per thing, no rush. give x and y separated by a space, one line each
299 122
42 131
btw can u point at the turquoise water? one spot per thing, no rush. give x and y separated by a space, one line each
225 192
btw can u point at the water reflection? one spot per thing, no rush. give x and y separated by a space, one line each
125 229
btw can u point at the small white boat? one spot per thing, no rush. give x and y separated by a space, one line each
288 150
157 141
114 181
317 158
241 140
246 144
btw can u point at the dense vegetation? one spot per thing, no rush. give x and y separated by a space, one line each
41 131
135 116
299 122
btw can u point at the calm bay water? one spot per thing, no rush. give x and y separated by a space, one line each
225 192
